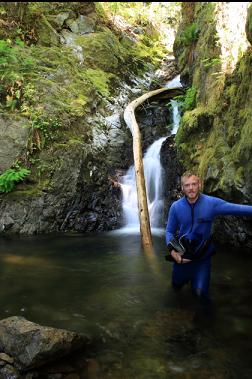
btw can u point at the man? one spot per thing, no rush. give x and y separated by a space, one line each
191 217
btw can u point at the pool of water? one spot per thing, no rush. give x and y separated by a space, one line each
104 285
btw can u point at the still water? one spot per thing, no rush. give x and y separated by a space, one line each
105 286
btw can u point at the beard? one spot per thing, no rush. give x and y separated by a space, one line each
192 195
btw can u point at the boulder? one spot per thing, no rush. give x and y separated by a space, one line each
14 135
32 345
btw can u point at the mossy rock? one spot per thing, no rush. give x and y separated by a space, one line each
102 49
199 120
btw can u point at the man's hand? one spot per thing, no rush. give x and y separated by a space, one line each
179 257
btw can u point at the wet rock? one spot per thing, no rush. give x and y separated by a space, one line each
82 25
32 345
9 372
14 134
235 231
60 18
5 358
168 69
153 120
172 172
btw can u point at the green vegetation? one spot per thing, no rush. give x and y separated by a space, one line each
100 80
15 68
210 62
54 84
187 101
189 35
10 177
190 98
42 131
150 23
215 132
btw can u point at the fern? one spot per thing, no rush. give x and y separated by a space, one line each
190 98
190 34
188 101
10 177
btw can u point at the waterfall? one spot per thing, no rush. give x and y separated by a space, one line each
175 116
153 172
174 83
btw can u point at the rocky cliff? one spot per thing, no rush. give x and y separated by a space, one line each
68 73
213 51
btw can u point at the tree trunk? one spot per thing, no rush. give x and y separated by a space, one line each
129 117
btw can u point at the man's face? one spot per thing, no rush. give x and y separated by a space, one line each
191 187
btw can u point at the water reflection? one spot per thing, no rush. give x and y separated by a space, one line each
106 286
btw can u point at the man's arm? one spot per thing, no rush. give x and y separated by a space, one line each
172 224
223 207
171 228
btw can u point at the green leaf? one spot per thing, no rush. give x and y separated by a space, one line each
10 177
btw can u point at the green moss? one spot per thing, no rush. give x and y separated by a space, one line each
231 91
243 147
57 88
216 137
102 50
199 120
204 164
30 190
189 34
100 80
239 177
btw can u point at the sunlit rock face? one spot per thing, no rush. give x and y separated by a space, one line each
249 25
230 26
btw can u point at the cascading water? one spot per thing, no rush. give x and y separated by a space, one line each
175 116
175 83
153 173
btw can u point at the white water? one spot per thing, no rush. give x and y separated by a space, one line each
175 116
153 172
174 83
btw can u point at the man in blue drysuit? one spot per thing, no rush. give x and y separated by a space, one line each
191 217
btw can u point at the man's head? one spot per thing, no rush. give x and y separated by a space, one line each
191 185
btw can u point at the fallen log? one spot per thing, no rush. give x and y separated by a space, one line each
130 119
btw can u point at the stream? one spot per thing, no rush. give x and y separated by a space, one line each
105 286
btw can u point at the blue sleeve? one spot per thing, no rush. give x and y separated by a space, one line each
172 224
222 207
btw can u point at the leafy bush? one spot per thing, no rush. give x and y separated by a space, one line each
10 177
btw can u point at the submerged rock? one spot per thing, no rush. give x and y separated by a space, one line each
32 345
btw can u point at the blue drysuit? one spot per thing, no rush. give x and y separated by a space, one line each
195 221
